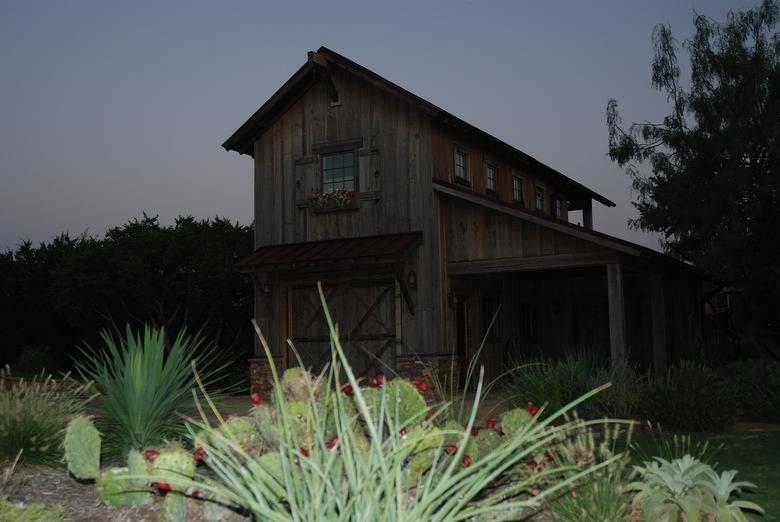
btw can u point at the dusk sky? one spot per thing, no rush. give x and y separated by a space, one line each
108 110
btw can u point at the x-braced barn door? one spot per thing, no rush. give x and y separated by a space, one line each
365 314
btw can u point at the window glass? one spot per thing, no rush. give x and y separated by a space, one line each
338 171
491 178
517 189
539 198
460 164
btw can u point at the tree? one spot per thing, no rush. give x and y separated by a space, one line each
712 190
57 295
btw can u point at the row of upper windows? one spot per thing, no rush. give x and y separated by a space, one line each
491 176
338 173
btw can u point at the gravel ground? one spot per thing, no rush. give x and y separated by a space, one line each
53 485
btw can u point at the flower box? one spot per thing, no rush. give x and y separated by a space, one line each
332 201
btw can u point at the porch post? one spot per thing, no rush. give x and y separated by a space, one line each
617 313
587 214
658 319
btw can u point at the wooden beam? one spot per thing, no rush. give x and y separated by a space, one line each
587 214
658 320
617 313
524 264
571 230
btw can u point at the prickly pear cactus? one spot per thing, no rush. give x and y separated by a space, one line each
82 448
272 464
298 384
175 507
486 441
112 485
245 432
423 444
514 420
299 422
455 436
405 400
173 465
137 491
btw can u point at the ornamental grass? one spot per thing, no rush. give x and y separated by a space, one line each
33 416
362 459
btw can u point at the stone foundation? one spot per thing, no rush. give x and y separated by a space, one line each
261 379
428 366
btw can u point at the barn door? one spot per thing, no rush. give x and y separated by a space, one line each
366 320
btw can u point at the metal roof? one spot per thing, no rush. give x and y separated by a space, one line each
381 247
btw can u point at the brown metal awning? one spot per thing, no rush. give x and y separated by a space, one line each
388 247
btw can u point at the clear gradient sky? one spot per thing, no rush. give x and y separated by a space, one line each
111 109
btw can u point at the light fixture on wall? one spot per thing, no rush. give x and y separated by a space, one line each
411 279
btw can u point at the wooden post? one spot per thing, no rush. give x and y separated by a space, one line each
587 214
617 313
658 319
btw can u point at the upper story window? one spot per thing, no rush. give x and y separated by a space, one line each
517 189
490 178
338 171
539 198
461 171
557 208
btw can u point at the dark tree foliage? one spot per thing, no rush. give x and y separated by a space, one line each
56 296
715 158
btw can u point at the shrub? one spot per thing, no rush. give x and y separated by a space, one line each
756 384
558 382
34 414
665 490
689 397
144 386
351 453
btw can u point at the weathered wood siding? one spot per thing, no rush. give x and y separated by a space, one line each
473 232
444 144
393 180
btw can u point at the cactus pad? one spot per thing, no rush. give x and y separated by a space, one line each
82 448
298 384
514 420
404 400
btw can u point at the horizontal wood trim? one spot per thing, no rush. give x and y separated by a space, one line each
526 216
335 146
520 264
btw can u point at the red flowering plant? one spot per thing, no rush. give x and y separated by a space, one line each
339 197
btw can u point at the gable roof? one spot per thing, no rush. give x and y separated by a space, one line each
315 68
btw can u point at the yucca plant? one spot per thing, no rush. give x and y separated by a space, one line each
361 463
144 385
34 413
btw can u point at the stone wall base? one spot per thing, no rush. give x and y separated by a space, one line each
439 367
261 379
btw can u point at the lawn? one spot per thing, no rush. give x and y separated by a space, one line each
755 454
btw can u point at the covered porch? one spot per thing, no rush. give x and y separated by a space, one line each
626 309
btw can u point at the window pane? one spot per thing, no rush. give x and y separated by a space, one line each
348 159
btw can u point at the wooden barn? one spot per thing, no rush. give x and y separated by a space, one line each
422 228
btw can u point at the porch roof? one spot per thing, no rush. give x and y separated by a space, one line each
387 247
